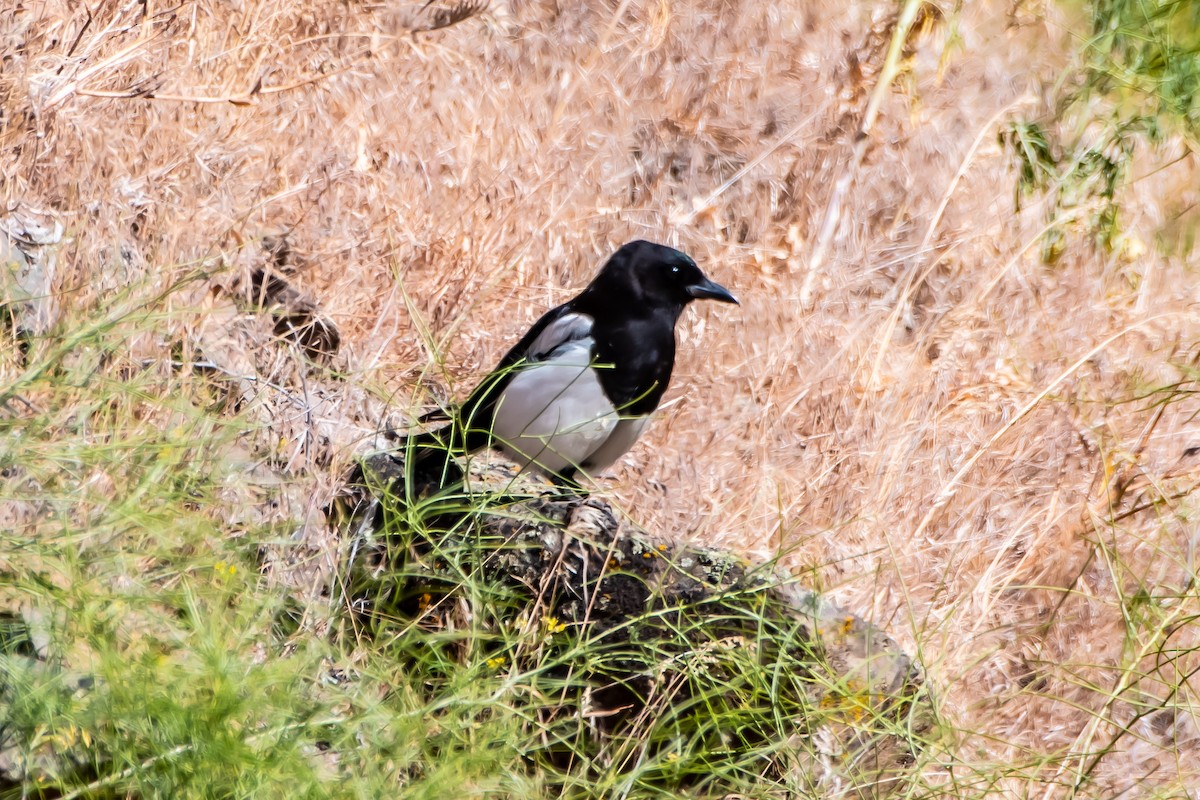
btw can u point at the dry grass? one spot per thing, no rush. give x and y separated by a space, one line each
949 436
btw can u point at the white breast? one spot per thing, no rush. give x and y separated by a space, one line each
554 414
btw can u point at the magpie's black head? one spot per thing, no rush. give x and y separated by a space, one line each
656 275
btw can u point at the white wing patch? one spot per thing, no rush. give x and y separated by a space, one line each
564 330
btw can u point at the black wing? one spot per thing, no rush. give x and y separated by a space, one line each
555 328
469 430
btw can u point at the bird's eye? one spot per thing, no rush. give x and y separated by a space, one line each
674 269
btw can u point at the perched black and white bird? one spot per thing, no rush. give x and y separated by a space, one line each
578 389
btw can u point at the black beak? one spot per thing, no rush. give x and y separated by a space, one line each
707 290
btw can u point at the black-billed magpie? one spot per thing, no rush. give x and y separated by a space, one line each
578 389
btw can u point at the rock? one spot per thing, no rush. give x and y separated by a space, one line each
666 627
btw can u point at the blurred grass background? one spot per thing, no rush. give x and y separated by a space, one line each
959 396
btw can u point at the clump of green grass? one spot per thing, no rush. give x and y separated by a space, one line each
146 652
114 470
616 689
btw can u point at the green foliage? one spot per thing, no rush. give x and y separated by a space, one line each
138 660
1138 80
1144 56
